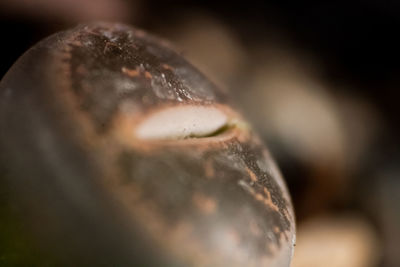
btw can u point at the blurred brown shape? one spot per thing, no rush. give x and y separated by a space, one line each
71 11
209 44
336 241
310 123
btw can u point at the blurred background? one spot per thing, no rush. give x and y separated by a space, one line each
318 80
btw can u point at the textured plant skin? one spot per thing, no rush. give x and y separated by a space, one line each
79 187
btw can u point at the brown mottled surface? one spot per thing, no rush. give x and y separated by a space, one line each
84 190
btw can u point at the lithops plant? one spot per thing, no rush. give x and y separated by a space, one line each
115 151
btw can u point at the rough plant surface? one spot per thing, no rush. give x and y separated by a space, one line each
81 185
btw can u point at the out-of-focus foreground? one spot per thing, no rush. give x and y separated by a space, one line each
317 80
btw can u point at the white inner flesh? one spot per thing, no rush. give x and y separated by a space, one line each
182 122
